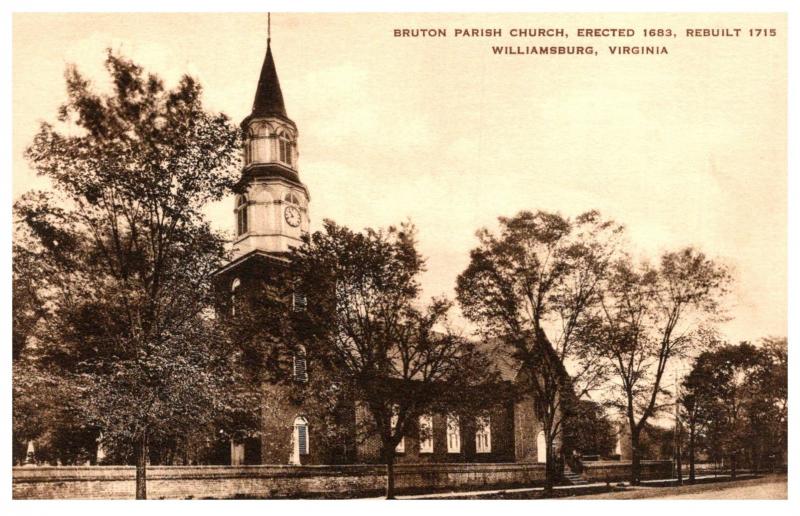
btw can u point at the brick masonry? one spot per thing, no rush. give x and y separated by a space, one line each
615 471
182 482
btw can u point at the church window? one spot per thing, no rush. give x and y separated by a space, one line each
426 434
299 366
301 435
291 198
453 434
285 149
483 435
241 215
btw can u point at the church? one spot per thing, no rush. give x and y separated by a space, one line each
271 213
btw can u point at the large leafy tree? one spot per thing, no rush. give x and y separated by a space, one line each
651 316
736 394
124 258
533 286
365 321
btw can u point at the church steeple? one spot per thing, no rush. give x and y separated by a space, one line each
270 135
272 212
269 98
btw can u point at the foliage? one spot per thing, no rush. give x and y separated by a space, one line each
651 316
735 398
124 257
365 322
542 273
589 431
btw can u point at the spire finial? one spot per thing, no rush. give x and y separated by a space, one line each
269 28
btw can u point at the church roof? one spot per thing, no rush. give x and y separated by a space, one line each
269 99
501 358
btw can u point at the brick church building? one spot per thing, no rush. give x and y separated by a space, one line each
271 215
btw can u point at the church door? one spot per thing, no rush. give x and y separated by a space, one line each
541 448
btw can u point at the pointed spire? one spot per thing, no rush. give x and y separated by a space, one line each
269 99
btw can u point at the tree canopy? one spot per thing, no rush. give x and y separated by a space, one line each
650 316
734 401
365 320
121 257
534 285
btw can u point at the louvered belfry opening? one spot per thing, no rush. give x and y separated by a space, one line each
300 366
299 302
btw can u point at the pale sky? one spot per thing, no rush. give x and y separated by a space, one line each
684 148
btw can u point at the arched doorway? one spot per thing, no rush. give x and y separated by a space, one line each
541 447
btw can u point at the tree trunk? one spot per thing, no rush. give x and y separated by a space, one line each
636 458
678 461
389 475
691 455
549 466
141 468
733 467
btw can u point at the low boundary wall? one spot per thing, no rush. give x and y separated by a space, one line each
616 471
181 482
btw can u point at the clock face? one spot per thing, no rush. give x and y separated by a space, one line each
292 216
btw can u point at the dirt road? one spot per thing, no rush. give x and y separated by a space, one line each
768 487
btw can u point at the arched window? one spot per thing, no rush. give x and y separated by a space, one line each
483 435
299 366
285 149
241 215
291 198
426 433
300 437
234 287
453 434
259 143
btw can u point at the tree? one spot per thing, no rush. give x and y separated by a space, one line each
589 430
736 396
542 273
365 322
775 401
693 409
650 317
126 258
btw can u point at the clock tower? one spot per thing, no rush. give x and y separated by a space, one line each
255 290
271 213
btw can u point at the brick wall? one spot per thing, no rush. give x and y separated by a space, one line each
180 482
526 428
614 471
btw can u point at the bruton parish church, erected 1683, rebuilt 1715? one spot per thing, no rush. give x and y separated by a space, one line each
271 215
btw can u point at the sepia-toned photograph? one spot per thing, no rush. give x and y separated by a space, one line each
437 256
